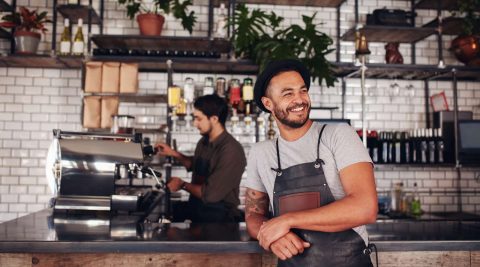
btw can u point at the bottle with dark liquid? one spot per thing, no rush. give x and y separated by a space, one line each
397 151
439 146
431 146
220 87
423 147
406 148
390 147
384 147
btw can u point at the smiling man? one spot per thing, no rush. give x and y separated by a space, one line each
217 167
317 179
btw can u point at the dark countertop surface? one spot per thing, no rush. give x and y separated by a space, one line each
42 232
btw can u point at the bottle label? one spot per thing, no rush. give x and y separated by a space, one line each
78 48
65 48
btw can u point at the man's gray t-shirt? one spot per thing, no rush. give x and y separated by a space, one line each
340 147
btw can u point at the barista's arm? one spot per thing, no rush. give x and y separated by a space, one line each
358 207
176 184
166 150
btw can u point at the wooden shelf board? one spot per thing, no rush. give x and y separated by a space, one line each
181 64
134 98
75 12
33 61
450 25
4 34
140 42
433 4
316 3
375 33
72 61
4 6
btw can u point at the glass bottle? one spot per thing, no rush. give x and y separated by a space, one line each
221 23
235 95
247 94
415 207
431 146
208 88
423 146
78 41
220 87
65 39
440 146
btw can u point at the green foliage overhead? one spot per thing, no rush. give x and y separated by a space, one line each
258 36
468 10
178 8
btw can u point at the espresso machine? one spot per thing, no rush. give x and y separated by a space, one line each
83 171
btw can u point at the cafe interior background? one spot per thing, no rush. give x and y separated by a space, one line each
35 100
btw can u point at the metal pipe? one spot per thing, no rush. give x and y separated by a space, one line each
362 84
456 135
54 28
210 18
427 103
439 34
338 33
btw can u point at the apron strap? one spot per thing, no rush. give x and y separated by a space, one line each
318 161
278 170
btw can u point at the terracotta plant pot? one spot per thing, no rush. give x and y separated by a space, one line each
466 48
150 24
26 42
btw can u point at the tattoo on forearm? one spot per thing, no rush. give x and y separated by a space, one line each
255 203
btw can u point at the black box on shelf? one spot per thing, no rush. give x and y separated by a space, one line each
444 120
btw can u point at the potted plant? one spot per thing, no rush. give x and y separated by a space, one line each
258 36
26 25
466 47
151 21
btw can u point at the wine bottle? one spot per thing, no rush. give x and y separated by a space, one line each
65 41
78 41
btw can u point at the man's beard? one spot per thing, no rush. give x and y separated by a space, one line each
282 116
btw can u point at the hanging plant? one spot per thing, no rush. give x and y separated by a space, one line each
258 36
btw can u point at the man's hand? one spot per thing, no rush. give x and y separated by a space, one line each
175 184
166 150
272 230
288 246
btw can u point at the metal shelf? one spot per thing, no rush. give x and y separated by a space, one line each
433 4
5 7
75 12
315 3
450 25
134 98
406 71
192 65
141 42
374 33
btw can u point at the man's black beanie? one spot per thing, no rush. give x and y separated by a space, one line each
273 68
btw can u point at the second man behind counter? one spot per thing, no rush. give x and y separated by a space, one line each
217 167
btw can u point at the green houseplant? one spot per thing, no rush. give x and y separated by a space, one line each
149 16
26 25
258 36
466 47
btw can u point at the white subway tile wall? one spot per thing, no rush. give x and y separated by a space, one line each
33 101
